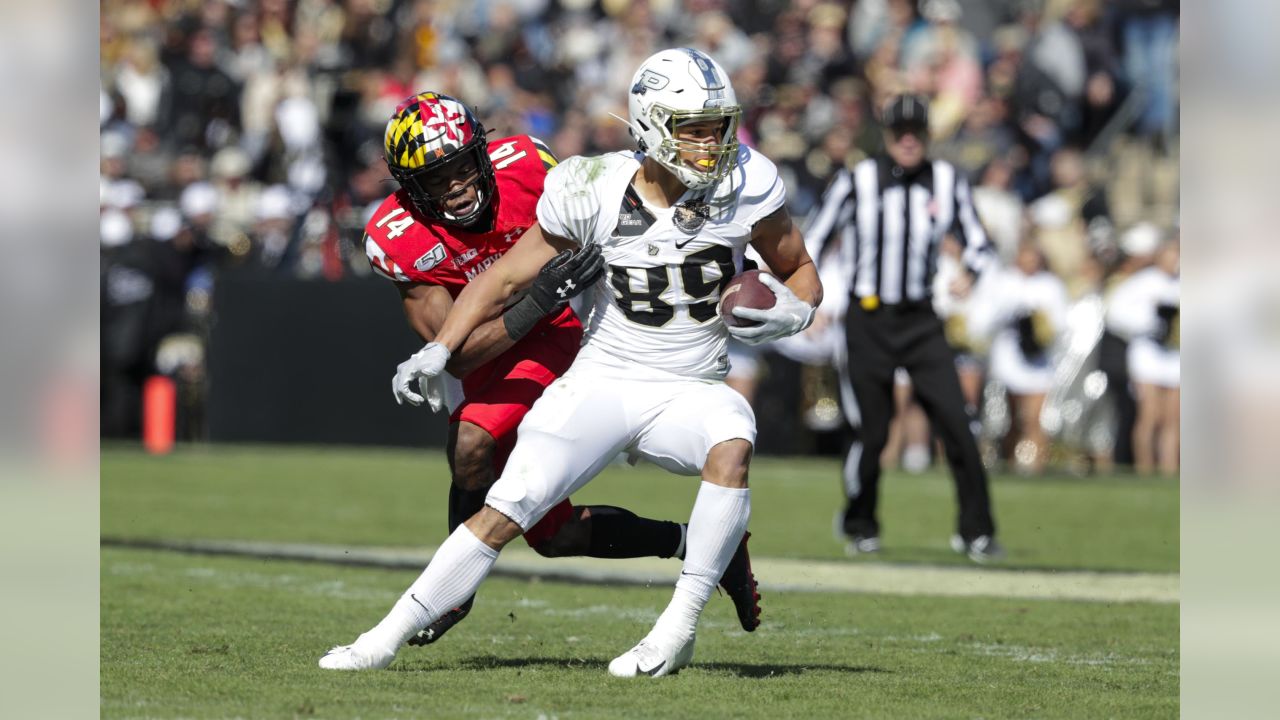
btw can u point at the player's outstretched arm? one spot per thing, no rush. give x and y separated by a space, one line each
553 282
426 307
488 294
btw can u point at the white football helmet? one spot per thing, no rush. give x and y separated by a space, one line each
678 86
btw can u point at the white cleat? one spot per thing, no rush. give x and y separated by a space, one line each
357 656
653 659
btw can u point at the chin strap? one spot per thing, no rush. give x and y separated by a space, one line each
635 134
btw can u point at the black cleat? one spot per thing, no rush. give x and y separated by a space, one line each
740 584
437 629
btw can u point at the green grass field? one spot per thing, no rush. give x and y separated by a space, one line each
198 636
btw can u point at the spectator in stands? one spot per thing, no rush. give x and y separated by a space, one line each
1150 31
115 188
1060 220
205 107
1000 208
983 137
237 194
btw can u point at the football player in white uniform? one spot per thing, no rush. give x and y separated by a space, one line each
671 222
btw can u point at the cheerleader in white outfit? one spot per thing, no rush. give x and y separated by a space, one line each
1144 310
1025 309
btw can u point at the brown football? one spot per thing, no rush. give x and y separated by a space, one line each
745 290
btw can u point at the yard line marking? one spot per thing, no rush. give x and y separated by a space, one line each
778 574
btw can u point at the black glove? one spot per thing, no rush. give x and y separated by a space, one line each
563 277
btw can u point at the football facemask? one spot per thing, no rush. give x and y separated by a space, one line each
678 87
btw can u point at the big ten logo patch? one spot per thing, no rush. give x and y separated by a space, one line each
465 257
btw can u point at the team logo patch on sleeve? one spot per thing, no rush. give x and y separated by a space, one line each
432 258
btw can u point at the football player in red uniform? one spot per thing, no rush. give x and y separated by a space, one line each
463 201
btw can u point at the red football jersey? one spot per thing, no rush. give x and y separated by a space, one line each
404 247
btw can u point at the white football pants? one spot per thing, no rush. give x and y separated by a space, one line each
595 411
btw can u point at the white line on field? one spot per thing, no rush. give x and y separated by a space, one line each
772 573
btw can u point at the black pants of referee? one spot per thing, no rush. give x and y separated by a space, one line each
910 336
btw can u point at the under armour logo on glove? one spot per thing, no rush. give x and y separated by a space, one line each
565 276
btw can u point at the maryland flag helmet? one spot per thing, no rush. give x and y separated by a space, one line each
430 138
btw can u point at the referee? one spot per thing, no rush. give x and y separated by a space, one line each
889 214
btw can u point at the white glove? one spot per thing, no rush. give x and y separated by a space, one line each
788 316
424 366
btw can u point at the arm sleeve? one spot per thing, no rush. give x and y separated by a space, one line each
765 190
835 209
978 254
568 207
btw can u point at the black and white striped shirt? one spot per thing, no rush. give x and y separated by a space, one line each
891 224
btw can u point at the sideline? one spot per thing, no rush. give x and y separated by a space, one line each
772 573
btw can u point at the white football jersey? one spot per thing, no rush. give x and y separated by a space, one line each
656 304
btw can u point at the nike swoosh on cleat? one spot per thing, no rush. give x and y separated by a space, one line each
655 670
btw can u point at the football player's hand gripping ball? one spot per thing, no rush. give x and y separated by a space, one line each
788 316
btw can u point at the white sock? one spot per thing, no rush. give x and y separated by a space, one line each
451 577
716 526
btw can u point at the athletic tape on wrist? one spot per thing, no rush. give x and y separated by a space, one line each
522 317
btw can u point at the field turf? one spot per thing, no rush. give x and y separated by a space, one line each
199 636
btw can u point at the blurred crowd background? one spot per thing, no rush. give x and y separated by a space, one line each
246 135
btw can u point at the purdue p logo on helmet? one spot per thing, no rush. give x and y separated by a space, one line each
680 86
431 136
